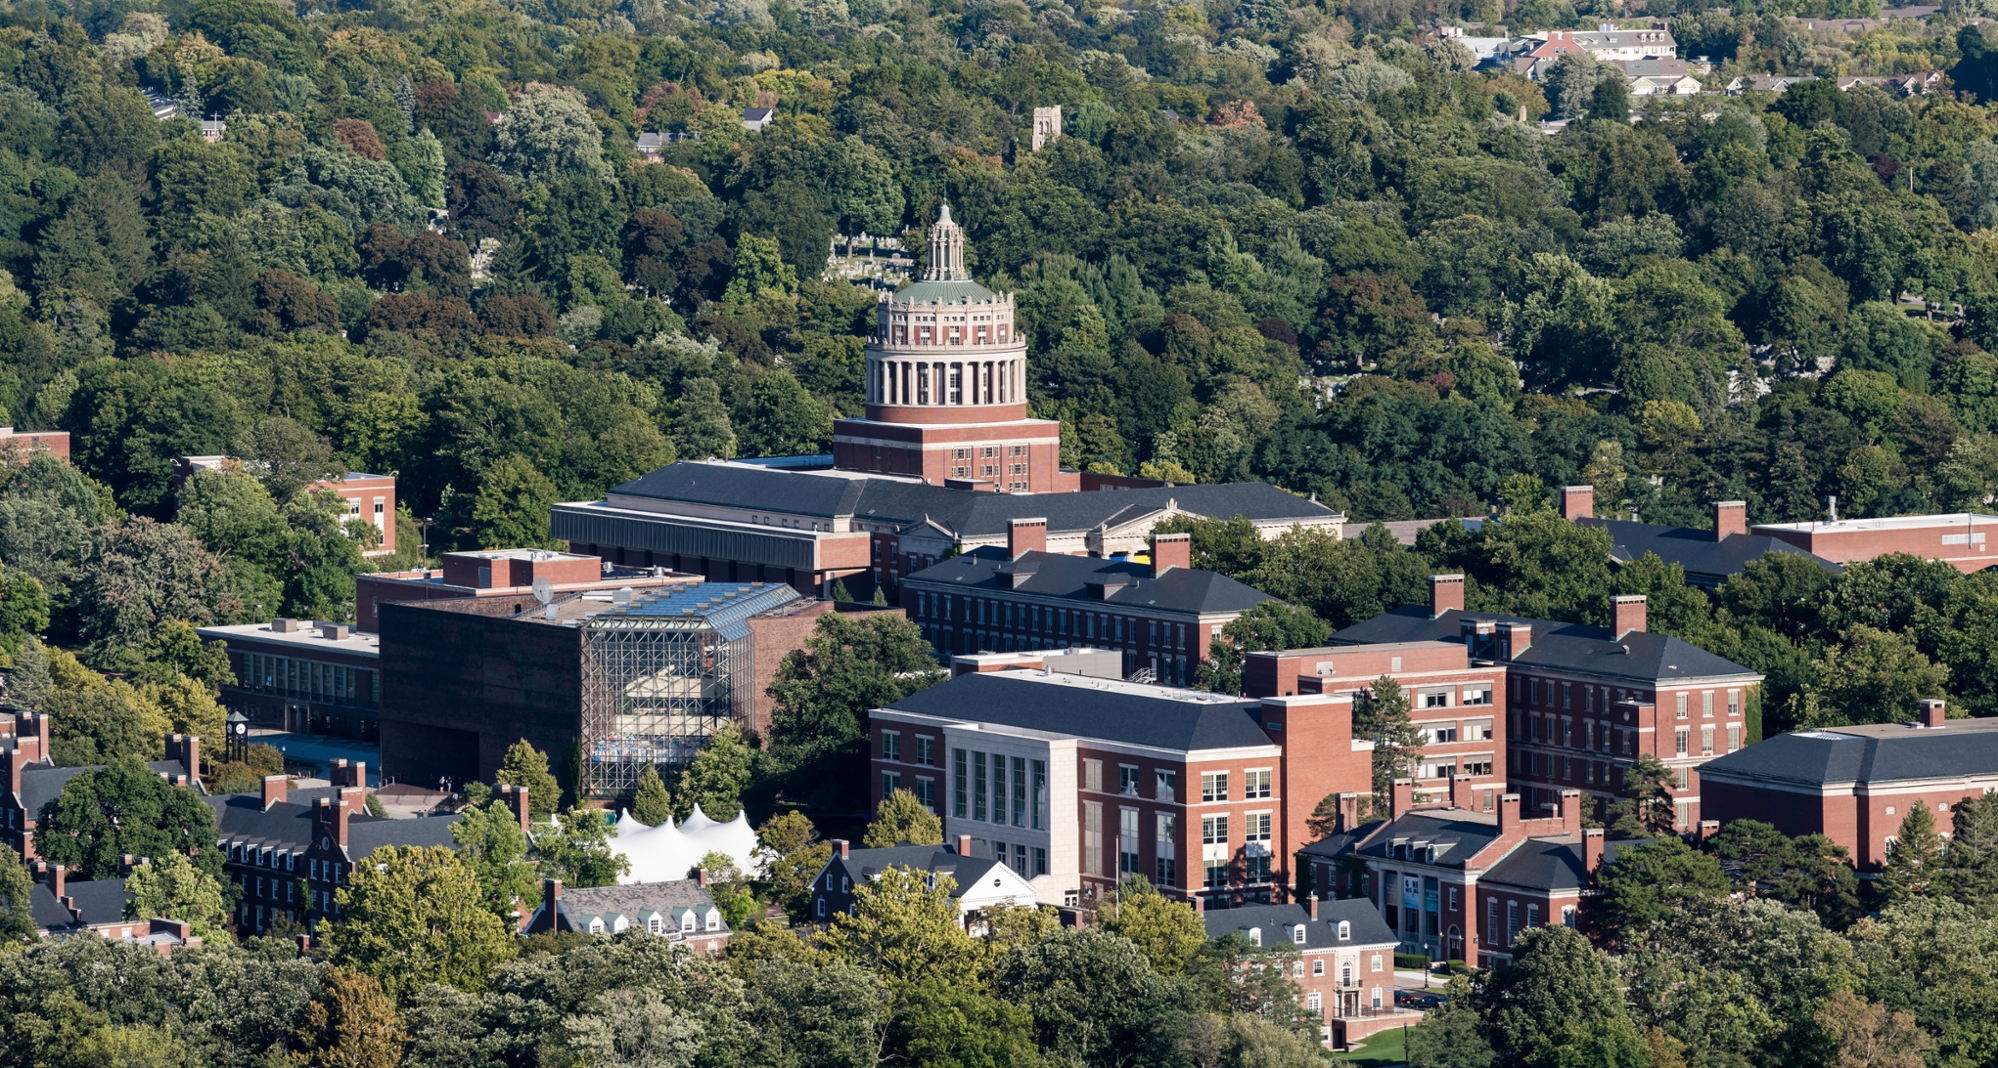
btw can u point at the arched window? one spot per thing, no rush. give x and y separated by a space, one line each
1345 931
1256 935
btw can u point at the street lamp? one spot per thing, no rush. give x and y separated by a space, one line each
239 735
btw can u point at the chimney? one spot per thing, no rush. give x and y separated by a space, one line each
304 944
1571 811
1626 614
1578 502
1932 712
58 877
1592 851
125 865
522 811
185 748
701 876
336 772
1170 551
1349 812
1730 517
1199 904
1446 594
1404 798
1460 791
1311 905
1026 535
1708 828
963 845
275 788
1508 813
551 902
842 847
331 816
1514 639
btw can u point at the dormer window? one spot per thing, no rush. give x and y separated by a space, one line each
1256 935
1297 934
714 920
1345 931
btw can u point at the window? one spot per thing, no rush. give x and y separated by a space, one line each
1532 915
1092 775
1491 918
1166 847
1733 737
926 792
1092 838
1442 732
1127 841
1318 968
1453 899
1040 798
1567 693
1733 703
926 751
1679 739
1436 699
1214 786
891 745
1376 966
1478 730
998 788
1168 785
1127 780
1480 694
958 800
978 786
1255 784
1511 921
1040 860
1707 704
1567 915
1682 706
1297 935
890 782
1020 793
1313 1001
1706 741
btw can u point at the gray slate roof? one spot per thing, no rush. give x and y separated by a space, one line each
1878 754
862 865
1061 575
1644 657
993 697
634 899
41 783
943 292
1551 863
1280 922
1695 550
100 901
965 513
1457 835
288 825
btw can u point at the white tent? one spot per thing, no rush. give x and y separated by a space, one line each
667 852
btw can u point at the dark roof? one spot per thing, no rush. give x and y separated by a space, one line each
41 783
1551 863
1124 584
965 513
1695 550
1334 846
1644 656
1092 708
862 865
1873 754
288 825
100 901
1457 835
632 900
1279 924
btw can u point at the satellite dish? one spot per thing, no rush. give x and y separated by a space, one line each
544 590
621 596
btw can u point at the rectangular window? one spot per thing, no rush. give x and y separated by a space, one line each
1166 849
998 788
1214 786
1040 860
1092 775
1733 703
926 792
1733 737
978 782
1511 921
1127 780
1706 741
1040 770
958 799
1679 737
1256 784
1532 916
1682 705
891 745
1127 842
1092 838
926 751
1567 694
1706 704
890 782
1479 694
1167 783
1019 791
1491 919
1477 730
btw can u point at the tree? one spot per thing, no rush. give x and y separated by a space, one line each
138 575
1268 626
490 840
1865 1035
1555 975
795 857
172 887
787 420
905 929
1167 933
285 456
1972 861
527 766
823 693
1449 1036
17 908
1646 809
634 1028
29 684
1915 860
702 431
1384 717
1094 996
176 649
1870 676
577 850
1646 884
510 510
716 777
413 915
901 819
548 135
651 805
351 1024
125 809
102 725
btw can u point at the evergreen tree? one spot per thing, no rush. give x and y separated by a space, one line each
1972 860
902 819
1384 717
527 766
717 775
29 684
702 429
652 805
17 910
1914 861
1646 809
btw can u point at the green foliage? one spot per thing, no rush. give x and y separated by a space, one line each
1646 808
577 849
124 808
492 844
651 805
527 766
823 692
901 819
1645 883
410 916
904 929
1914 865
172 887
1384 717
1166 932
17 910
716 777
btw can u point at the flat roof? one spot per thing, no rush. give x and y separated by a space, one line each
305 638
1349 650
1898 522
534 555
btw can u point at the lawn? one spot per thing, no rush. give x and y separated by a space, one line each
1381 1051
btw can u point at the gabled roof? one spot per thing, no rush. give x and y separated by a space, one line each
963 513
1279 924
41 783
634 901
288 825
1695 550
1554 864
862 865
1061 575
1078 706
1642 657
1456 835
99 900
1877 753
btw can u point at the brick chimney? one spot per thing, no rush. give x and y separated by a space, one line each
27 750
1933 713
1627 614
517 801
1508 813
842 847
185 748
275 788
1460 792
1514 640
58 878
963 845
1571 811
1199 904
330 817
1403 798
1170 551
1026 535
551 902
1592 851
1446 593
701 876
1707 829
1730 517
1578 502
1311 905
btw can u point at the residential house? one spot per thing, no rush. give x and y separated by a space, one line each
1345 966
1856 784
979 883
756 119
33 780
680 910
1766 83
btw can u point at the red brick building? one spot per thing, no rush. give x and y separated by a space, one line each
1855 785
1957 538
500 573
56 441
1345 962
32 779
1584 702
1078 781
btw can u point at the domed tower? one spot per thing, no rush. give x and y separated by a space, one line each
946 386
